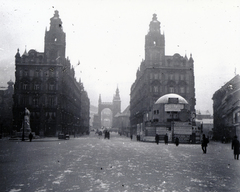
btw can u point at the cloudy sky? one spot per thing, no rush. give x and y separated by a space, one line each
108 37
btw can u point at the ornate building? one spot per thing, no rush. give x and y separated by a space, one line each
158 75
46 85
226 110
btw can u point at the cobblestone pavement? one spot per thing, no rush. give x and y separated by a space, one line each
92 163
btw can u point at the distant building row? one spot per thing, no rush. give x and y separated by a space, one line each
226 109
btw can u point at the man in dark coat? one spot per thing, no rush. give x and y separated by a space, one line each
166 139
157 138
235 147
177 141
204 143
30 137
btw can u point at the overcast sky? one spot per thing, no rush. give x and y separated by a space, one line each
108 38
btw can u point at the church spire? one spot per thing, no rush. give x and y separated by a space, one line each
117 95
99 99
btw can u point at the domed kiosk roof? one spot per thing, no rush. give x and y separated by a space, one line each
165 99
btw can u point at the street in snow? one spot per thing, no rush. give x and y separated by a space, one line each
92 163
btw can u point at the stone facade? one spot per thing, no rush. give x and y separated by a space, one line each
226 110
158 75
46 85
6 103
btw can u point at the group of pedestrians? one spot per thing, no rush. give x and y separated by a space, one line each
107 134
204 144
235 146
157 139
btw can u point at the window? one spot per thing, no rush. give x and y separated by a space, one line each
155 89
51 87
25 100
236 118
35 101
52 101
182 77
151 76
176 76
171 89
182 90
156 112
25 73
24 86
37 73
31 73
36 86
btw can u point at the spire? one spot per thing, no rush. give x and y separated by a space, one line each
17 54
117 95
186 54
117 92
17 57
191 59
99 100
25 52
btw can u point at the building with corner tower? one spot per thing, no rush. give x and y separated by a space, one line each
158 75
45 83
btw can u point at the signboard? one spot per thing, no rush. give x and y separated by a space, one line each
173 100
161 130
182 128
173 107
150 131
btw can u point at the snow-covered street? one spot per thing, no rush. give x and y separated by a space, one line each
92 163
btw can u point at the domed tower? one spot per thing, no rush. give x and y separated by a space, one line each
55 40
154 43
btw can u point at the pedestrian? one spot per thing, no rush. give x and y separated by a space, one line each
177 141
235 147
223 140
204 143
131 136
108 134
166 139
105 134
157 138
30 136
